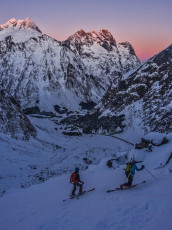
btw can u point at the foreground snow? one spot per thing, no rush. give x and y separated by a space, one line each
147 206
40 206
50 154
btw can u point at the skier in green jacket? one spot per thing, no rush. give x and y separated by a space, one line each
129 172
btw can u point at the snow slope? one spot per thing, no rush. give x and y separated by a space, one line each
146 207
50 154
40 206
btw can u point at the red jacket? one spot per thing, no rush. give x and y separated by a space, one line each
75 178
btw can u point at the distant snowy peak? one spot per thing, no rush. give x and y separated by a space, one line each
19 24
106 60
19 30
43 73
103 37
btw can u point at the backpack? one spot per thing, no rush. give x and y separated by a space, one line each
128 168
73 177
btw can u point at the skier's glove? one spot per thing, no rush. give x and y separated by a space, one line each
143 166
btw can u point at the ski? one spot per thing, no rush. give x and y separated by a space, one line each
117 189
78 195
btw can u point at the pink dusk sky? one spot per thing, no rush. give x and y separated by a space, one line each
146 24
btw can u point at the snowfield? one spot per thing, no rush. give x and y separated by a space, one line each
40 206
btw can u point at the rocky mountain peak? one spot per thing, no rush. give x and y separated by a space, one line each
19 24
129 46
106 35
81 33
102 36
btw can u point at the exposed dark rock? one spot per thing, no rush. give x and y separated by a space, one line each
60 110
149 143
87 105
109 164
144 144
72 133
36 110
91 123
12 119
87 161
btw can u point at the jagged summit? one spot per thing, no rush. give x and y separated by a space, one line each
19 24
81 33
102 55
93 37
105 34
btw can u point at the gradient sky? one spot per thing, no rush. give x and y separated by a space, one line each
146 24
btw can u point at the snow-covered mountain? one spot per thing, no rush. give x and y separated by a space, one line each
142 100
43 74
14 24
12 119
40 72
104 58
144 97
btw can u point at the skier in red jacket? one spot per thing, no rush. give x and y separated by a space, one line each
75 180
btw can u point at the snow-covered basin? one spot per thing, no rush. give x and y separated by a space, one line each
40 207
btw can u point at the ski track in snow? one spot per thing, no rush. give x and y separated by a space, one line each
40 206
148 206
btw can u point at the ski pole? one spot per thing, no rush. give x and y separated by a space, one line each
151 174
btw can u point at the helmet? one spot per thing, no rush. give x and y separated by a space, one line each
77 170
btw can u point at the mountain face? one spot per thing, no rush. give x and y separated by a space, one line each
40 72
104 58
142 100
44 74
12 119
